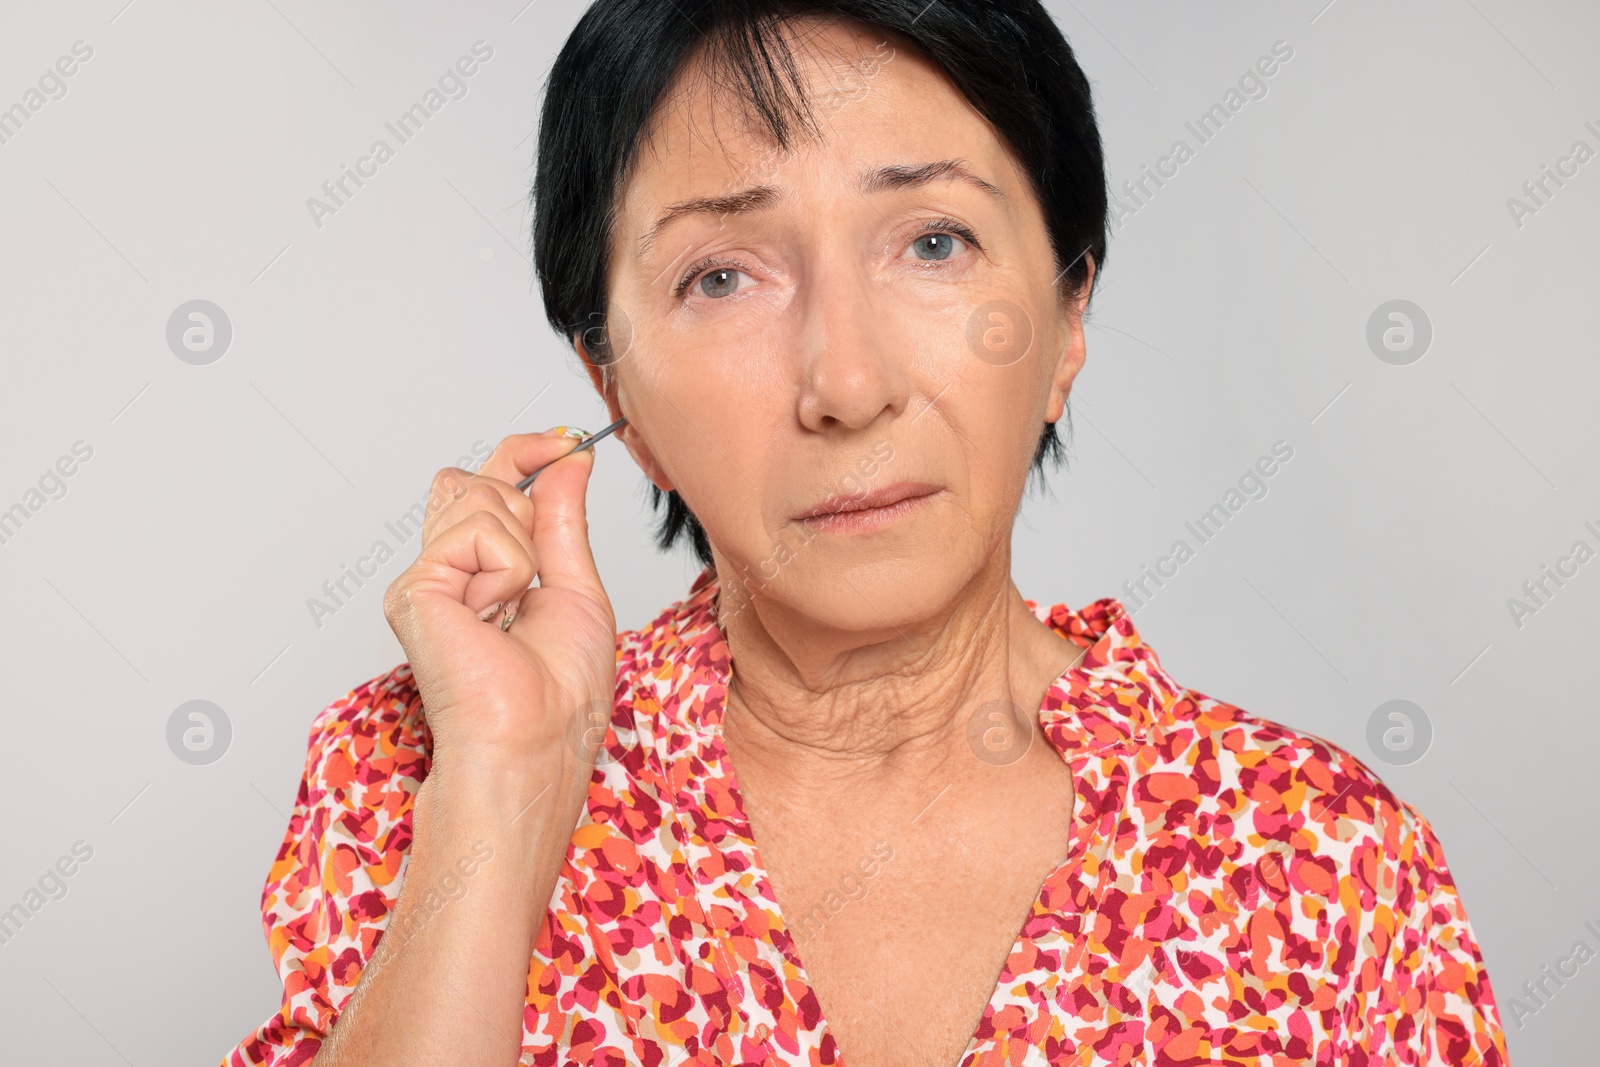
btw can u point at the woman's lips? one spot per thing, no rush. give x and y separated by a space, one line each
869 511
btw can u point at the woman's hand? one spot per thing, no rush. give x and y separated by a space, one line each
502 698
503 706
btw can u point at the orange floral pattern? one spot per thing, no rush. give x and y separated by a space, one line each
1237 893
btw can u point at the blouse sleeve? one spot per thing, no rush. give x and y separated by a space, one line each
328 895
1433 1004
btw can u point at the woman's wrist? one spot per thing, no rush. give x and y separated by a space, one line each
524 805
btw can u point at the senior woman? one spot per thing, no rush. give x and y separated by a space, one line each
854 799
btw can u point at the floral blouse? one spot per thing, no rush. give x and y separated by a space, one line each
1236 893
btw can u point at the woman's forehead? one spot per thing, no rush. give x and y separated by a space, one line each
869 103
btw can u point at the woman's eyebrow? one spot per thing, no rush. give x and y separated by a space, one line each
757 196
911 176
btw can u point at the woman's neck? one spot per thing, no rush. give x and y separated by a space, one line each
824 707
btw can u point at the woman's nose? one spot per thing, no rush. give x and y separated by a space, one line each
854 367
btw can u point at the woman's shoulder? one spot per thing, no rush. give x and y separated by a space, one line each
369 745
1265 752
1299 786
1199 753
384 712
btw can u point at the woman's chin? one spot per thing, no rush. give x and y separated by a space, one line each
892 593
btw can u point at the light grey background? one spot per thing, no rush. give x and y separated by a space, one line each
372 350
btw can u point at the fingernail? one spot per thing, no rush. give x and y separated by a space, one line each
574 432
489 612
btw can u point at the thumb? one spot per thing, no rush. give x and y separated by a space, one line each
561 527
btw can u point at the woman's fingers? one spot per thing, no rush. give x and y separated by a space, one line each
558 519
561 527
458 494
520 454
486 558
549 522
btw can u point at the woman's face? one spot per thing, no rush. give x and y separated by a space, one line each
868 321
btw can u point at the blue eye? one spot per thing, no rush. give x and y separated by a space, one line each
723 281
934 246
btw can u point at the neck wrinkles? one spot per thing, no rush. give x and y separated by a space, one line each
902 703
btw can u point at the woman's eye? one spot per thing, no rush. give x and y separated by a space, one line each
721 281
932 247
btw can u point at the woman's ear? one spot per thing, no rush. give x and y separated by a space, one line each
609 385
1073 349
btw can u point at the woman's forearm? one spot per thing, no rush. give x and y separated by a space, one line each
448 982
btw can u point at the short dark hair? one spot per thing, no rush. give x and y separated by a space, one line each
1007 57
